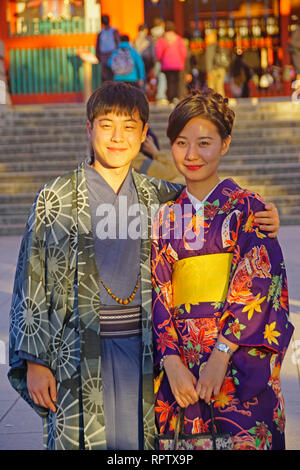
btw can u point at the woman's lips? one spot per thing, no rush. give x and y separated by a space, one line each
114 149
194 167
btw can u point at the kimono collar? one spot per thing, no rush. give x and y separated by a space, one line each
197 204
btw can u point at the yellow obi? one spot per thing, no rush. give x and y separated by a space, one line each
201 279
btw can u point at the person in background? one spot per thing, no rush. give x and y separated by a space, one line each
240 75
127 64
107 41
295 50
155 162
217 61
145 46
171 51
157 32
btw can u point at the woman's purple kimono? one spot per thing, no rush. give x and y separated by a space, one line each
254 315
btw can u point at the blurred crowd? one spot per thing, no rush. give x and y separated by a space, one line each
165 67
163 64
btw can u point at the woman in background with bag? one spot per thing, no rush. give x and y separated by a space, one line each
220 303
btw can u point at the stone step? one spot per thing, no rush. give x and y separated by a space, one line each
38 166
269 191
11 229
17 199
33 157
81 147
228 167
27 132
226 170
29 141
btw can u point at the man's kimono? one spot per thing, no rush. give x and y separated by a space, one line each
55 309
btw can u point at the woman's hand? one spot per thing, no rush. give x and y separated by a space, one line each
212 376
181 380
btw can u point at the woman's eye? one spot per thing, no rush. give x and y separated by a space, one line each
181 143
204 144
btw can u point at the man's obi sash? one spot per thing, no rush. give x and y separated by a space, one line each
201 279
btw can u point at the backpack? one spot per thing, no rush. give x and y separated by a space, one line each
122 63
107 40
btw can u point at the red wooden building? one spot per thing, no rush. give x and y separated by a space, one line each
42 38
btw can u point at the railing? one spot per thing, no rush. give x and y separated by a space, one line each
38 27
48 70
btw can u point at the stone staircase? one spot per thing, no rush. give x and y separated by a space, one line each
38 143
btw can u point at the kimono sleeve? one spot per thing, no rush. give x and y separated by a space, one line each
29 334
256 312
164 332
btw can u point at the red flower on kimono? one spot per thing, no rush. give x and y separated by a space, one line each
226 393
199 427
202 338
165 340
164 409
284 298
210 210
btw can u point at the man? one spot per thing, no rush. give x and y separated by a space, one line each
80 330
107 42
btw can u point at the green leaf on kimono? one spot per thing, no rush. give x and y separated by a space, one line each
257 442
217 305
216 203
236 381
197 348
256 352
252 430
189 345
157 290
227 332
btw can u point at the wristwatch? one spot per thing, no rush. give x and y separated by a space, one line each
224 348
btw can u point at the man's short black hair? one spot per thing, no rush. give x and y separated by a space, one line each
105 20
124 37
117 97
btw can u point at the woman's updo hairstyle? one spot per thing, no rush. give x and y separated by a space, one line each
206 104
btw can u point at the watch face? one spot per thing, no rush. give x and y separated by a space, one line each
224 348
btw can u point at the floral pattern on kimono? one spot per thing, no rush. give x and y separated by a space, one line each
254 315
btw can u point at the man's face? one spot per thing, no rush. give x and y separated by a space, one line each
116 139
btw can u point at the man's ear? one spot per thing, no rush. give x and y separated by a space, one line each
144 133
89 127
225 145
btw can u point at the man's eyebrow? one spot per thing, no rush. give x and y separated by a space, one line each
104 118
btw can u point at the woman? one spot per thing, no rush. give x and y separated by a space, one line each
171 51
220 302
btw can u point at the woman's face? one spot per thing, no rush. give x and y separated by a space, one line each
198 149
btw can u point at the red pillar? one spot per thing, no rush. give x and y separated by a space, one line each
285 13
178 17
3 28
3 24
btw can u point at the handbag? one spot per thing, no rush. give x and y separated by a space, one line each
181 441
